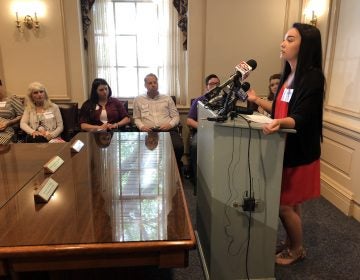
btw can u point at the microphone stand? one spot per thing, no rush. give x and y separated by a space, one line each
216 91
231 98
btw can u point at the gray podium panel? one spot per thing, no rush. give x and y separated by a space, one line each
235 161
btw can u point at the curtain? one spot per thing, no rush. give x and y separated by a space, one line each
102 48
85 11
182 8
176 58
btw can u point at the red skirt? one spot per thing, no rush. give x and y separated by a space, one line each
300 183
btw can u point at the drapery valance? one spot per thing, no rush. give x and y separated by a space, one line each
86 21
182 6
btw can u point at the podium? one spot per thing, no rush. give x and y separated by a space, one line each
237 162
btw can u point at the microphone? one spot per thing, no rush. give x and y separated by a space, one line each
235 94
244 68
216 90
242 92
215 99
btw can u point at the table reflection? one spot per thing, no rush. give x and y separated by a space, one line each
132 178
103 138
152 140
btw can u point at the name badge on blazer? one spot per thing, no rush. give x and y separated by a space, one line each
2 104
48 115
288 92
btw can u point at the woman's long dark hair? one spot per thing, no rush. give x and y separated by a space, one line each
310 53
94 97
309 59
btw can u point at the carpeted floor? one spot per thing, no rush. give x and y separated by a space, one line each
332 241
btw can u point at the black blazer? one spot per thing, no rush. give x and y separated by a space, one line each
306 108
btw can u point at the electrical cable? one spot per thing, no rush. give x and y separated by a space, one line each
228 224
229 186
251 196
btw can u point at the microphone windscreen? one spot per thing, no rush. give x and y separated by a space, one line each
252 63
245 86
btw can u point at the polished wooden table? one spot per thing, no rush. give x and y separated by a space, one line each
119 202
19 163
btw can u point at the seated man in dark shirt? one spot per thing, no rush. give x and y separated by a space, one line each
211 82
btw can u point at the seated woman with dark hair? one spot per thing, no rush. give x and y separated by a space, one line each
101 111
11 110
274 81
42 119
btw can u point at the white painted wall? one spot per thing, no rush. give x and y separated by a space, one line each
223 33
51 55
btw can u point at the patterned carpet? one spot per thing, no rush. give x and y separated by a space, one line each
332 241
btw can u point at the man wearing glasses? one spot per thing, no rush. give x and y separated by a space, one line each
211 81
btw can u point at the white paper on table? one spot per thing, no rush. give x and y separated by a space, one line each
258 118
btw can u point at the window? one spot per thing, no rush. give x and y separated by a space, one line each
131 39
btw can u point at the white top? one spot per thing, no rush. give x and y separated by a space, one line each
51 120
103 115
155 112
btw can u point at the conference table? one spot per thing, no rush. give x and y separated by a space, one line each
119 202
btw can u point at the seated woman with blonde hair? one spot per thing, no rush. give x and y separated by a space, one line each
42 119
11 110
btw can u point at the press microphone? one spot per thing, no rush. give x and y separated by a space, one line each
244 68
215 99
217 90
236 93
213 93
242 92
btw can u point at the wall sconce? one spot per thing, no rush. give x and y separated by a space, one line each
28 22
313 10
313 20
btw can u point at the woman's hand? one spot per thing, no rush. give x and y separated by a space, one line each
37 133
251 95
102 127
3 126
113 126
271 127
47 135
